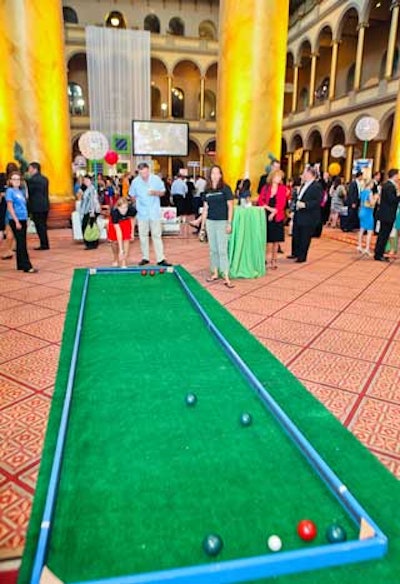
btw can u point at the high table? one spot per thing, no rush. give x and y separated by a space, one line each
247 243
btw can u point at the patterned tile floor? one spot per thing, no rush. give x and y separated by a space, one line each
333 321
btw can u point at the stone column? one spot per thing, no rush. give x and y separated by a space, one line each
202 98
169 80
311 96
36 92
392 39
349 162
289 165
334 60
378 156
295 88
251 82
359 56
325 159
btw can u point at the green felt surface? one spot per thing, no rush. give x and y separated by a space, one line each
145 478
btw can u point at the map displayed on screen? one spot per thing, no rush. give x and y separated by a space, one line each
159 138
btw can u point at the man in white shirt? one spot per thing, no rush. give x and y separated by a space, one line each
146 190
179 191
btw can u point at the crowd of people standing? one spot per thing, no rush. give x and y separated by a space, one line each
298 208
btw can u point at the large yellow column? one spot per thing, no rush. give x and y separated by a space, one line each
7 98
311 96
35 54
295 88
359 56
334 60
394 156
251 80
392 39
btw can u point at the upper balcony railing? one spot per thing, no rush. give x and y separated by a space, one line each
75 35
366 97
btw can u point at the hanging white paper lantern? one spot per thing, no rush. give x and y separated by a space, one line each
367 128
93 145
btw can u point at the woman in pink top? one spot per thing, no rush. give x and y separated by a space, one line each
273 199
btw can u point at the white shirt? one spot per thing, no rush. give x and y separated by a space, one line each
303 189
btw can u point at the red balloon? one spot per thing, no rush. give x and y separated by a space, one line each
111 157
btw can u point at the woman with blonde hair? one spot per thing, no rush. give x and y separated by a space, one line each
273 199
366 216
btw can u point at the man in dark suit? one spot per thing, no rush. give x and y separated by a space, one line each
307 214
38 202
352 202
390 199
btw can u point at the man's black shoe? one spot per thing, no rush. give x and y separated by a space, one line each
163 263
299 261
40 248
291 257
382 259
143 262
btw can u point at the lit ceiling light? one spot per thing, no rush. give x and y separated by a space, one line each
378 4
114 21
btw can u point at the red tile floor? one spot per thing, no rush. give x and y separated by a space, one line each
334 321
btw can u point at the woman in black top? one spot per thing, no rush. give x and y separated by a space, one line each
217 217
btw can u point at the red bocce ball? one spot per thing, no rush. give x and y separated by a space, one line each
307 530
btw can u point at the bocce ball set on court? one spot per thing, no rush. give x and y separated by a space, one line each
306 529
152 272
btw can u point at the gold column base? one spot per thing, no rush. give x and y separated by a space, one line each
60 215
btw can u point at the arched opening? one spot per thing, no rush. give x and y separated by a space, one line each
209 153
350 78
314 145
78 85
207 30
152 23
76 100
297 149
303 99
210 104
75 146
376 42
178 103
395 67
335 136
69 15
159 81
176 26
186 76
211 92
347 50
156 111
304 75
115 19
289 75
193 155
323 65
